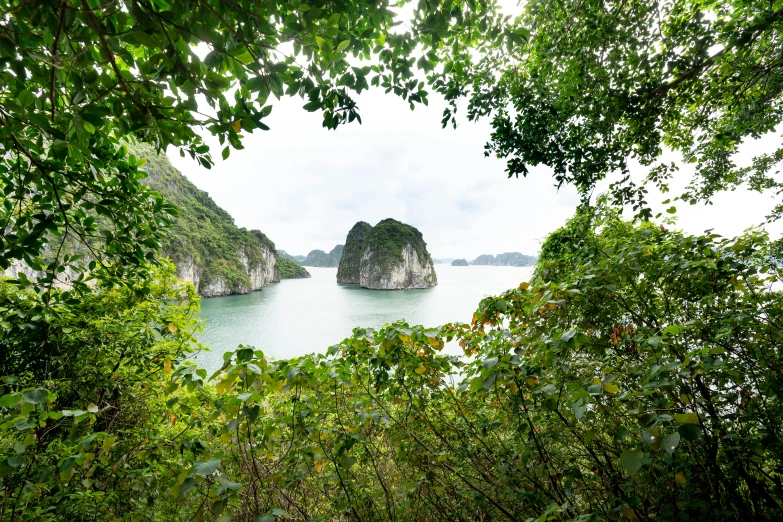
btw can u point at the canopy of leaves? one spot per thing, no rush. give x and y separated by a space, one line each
79 78
590 88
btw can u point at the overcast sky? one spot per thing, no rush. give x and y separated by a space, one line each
305 186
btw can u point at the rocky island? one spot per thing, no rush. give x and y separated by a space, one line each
319 258
206 246
507 259
389 256
460 262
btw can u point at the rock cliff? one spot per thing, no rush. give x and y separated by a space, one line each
391 256
348 270
460 262
204 243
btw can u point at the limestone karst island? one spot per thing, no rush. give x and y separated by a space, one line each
389 256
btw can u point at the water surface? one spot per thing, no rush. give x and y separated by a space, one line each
299 316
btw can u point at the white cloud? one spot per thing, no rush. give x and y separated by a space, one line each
305 186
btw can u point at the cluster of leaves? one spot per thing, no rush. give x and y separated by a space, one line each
590 88
84 428
636 378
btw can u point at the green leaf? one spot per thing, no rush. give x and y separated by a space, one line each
690 432
489 363
36 396
206 468
686 418
568 336
343 45
25 98
670 442
17 461
10 400
347 461
631 460
234 486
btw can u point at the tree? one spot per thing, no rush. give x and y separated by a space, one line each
594 86
81 78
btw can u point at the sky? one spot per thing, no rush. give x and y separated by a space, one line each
305 186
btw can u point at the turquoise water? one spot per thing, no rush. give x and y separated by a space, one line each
299 316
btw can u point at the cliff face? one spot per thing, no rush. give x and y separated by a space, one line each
390 256
348 270
208 249
408 273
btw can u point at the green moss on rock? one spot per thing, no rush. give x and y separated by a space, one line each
348 270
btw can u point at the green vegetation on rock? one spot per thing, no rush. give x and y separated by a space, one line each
388 239
337 252
460 262
290 269
348 270
202 233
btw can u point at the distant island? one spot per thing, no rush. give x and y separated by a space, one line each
460 262
507 259
290 269
320 258
390 256
443 260
317 258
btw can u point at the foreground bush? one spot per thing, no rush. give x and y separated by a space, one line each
637 377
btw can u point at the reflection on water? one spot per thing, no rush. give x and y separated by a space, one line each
299 316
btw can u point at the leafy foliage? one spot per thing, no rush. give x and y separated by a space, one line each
84 427
590 88
636 377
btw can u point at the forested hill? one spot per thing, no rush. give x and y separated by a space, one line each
208 248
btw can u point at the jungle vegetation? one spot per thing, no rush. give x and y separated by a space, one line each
637 376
